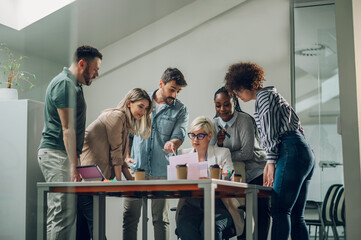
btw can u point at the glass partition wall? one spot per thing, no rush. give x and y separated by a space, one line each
316 90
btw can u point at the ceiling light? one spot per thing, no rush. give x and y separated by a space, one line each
18 14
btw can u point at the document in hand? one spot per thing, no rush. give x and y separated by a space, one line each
195 169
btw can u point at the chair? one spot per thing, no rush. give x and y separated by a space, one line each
339 212
325 212
227 233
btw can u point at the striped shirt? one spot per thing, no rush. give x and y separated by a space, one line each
274 116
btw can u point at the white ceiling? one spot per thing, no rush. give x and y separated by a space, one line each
94 22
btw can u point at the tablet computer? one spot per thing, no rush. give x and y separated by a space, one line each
90 173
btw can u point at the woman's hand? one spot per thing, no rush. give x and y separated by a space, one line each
130 160
220 137
268 175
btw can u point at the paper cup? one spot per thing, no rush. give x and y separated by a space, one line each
237 178
139 174
215 172
182 171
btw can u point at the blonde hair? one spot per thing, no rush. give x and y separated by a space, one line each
202 123
140 127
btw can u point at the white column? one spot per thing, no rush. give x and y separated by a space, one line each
348 31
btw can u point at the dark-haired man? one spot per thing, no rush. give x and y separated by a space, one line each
63 135
169 124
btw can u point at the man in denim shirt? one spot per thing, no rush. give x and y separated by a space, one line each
169 123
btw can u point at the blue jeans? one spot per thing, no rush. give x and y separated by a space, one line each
190 224
292 177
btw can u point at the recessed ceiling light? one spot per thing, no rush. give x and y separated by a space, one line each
18 14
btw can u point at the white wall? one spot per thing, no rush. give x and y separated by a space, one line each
257 30
45 71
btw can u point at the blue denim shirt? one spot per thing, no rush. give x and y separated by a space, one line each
169 123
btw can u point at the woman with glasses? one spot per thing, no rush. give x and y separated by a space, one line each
290 160
237 131
190 212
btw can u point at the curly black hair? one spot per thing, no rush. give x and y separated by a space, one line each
244 75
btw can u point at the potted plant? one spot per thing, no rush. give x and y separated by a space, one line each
11 73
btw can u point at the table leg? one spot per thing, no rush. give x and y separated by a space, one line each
42 209
209 206
99 217
145 219
251 214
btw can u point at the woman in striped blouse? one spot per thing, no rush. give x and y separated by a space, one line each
290 160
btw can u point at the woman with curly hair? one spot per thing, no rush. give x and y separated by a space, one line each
290 160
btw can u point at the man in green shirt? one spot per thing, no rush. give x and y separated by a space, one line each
63 135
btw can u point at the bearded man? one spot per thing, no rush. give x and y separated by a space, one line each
169 125
63 136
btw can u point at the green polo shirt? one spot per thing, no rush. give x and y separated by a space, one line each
64 91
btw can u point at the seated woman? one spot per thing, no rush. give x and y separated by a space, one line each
106 144
243 141
190 212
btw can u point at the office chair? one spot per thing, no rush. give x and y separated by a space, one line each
325 213
227 233
339 213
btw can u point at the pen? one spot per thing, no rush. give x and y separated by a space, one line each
224 163
227 134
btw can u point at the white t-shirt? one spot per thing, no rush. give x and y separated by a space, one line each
158 106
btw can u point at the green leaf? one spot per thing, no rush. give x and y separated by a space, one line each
21 58
16 84
34 76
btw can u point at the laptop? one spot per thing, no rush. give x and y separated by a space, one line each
90 173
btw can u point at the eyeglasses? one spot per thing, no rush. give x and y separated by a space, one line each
199 136
238 92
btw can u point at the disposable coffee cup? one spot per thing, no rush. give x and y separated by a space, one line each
237 178
182 171
139 174
215 171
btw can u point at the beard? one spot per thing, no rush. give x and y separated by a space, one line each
86 76
168 100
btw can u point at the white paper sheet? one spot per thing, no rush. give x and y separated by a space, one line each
195 169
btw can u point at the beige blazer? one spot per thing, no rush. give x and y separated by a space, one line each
106 142
219 155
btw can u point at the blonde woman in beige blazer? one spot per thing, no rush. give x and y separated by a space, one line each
189 215
106 144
